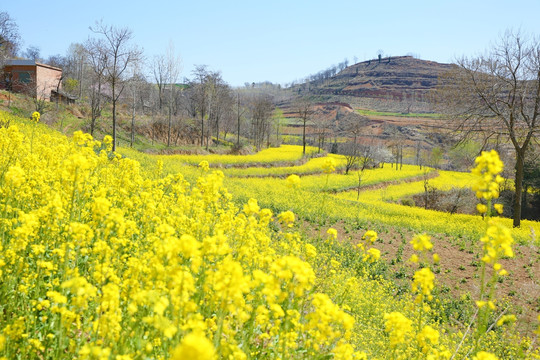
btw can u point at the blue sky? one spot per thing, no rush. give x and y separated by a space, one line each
279 41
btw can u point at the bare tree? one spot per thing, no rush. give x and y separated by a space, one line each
160 76
199 95
120 54
220 101
228 119
188 100
408 101
304 108
322 124
397 153
352 125
279 120
9 37
32 53
76 67
498 95
135 84
97 56
57 60
261 113
365 160
240 110
173 68
396 142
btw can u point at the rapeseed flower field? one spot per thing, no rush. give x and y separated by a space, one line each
104 256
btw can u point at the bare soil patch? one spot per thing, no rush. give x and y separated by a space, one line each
459 270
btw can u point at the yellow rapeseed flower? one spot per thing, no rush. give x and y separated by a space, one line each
311 251
15 176
370 236
483 355
490 304
497 242
329 165
36 116
505 319
372 255
108 141
487 169
204 165
332 233
287 218
397 326
481 208
427 336
293 181
422 242
251 207
423 282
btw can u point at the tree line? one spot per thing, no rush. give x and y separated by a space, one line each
108 70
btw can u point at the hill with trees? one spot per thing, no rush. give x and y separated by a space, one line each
397 83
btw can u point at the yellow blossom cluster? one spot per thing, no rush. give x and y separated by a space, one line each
340 271
483 355
497 243
329 165
204 165
398 327
369 253
487 169
100 261
293 181
423 283
421 243
36 116
423 279
332 234
287 218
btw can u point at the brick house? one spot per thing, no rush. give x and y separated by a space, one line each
35 79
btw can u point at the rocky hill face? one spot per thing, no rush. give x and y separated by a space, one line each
394 78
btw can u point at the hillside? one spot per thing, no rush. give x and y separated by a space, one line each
390 96
400 83
395 77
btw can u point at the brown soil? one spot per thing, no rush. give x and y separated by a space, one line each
376 129
75 112
459 269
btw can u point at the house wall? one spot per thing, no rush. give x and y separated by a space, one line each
36 80
22 77
48 79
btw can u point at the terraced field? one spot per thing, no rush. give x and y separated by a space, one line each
323 200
